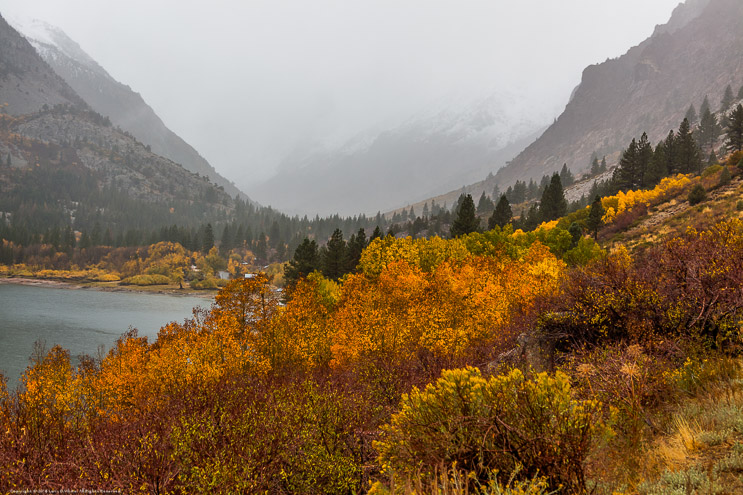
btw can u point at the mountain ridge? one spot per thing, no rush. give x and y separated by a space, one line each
107 96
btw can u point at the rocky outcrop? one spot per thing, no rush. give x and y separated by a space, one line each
699 52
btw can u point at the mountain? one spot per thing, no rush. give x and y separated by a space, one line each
63 163
26 82
648 89
450 145
113 99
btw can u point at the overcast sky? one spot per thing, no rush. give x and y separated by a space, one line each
245 81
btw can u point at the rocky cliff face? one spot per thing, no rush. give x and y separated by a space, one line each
699 52
111 98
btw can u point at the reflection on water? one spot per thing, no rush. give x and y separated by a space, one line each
80 320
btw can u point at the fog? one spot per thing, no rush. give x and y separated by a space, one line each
245 83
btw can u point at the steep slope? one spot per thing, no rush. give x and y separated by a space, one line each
26 82
648 89
113 99
63 163
429 154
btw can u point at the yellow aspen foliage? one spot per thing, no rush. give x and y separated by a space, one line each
459 303
300 335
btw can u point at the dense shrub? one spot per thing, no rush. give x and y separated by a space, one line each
507 423
144 280
697 195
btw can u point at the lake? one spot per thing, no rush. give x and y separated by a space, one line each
80 320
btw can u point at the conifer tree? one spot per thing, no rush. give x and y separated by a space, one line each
627 174
356 245
553 204
576 232
727 99
466 220
687 151
657 168
485 204
734 133
740 93
691 115
333 256
566 176
603 165
705 106
708 130
305 261
530 219
595 217
207 241
595 166
502 215
376 234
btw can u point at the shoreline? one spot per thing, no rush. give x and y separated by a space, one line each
106 287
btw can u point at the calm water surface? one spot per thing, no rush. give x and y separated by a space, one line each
79 320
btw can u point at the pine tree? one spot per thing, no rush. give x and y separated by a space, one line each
376 234
595 217
627 174
603 165
333 256
670 153
566 176
705 106
306 260
531 219
657 168
208 240
735 130
727 99
691 115
740 93
553 204
502 215
644 155
485 204
356 245
519 192
576 232
226 242
466 220
595 167
689 157
708 130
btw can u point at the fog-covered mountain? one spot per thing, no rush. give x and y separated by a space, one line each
58 156
113 99
453 143
698 53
